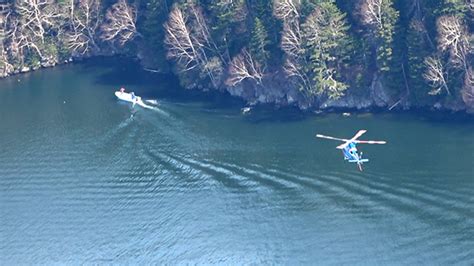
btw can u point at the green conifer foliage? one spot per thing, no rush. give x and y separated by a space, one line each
329 44
228 19
386 32
259 41
418 50
454 7
381 17
155 14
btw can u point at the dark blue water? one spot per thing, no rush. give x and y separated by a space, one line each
86 179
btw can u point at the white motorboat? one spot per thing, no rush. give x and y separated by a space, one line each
129 97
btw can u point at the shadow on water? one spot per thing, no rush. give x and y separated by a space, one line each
119 71
436 117
269 114
126 72
123 71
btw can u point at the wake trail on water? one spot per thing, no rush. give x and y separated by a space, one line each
154 106
128 122
158 110
369 191
174 159
367 194
372 193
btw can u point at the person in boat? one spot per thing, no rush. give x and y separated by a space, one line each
133 95
122 90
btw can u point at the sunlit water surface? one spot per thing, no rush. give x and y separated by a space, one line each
87 179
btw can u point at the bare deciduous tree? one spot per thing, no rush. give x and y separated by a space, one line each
179 42
32 22
292 40
468 90
293 68
77 41
372 13
84 19
5 12
286 10
20 40
204 41
453 37
435 75
189 42
243 67
38 16
120 23
292 43
201 34
5 66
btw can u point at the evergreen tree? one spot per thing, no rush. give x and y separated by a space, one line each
328 43
262 9
308 6
453 7
386 33
228 19
259 41
418 51
381 17
155 14
226 13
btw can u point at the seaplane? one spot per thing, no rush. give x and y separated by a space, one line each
349 149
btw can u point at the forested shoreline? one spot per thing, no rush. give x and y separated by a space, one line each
315 54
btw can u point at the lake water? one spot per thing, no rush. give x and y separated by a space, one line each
87 179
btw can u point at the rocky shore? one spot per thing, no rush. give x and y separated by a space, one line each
282 94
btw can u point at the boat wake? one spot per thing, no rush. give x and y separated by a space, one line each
151 101
155 108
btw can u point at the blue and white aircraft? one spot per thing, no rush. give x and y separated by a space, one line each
349 149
